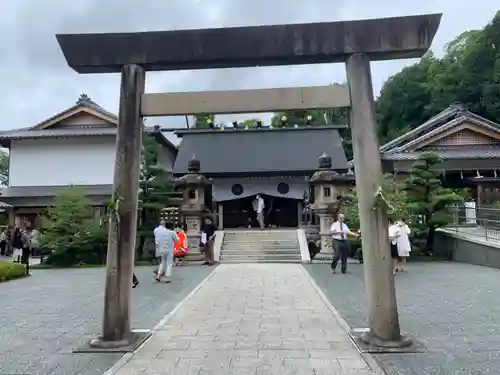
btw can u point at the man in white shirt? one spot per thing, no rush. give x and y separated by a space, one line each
259 209
339 231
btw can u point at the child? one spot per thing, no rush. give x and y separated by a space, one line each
181 246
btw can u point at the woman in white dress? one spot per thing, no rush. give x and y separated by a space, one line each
403 242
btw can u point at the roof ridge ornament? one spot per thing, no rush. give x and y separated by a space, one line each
84 99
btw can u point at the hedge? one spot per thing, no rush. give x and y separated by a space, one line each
11 270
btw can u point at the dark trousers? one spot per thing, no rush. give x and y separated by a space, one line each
3 247
25 259
134 279
341 252
209 252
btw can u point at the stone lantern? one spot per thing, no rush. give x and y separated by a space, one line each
193 201
328 188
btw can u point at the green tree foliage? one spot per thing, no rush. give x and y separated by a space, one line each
469 73
202 121
72 234
394 193
250 123
428 201
156 191
4 168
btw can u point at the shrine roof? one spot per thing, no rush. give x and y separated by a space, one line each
260 151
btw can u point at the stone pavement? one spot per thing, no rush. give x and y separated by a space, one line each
43 317
251 319
453 308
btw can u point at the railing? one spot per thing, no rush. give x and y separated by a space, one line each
309 218
483 222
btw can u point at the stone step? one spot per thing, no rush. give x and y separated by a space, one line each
263 257
260 235
261 245
260 239
231 251
261 261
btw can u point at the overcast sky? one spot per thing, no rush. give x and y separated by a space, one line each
36 82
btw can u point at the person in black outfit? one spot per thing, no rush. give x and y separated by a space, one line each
3 242
209 229
26 246
135 281
17 245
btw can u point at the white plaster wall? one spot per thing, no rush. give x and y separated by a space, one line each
57 162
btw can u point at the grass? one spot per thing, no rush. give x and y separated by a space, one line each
11 271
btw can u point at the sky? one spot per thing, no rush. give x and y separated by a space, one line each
37 83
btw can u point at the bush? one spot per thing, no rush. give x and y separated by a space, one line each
10 271
72 235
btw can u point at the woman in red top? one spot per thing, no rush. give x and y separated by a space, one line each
181 246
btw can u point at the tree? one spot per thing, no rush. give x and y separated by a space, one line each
428 200
4 168
394 193
404 100
71 234
202 121
156 191
396 198
250 123
469 73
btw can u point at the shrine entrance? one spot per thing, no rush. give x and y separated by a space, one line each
278 213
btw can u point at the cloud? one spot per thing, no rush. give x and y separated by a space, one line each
37 82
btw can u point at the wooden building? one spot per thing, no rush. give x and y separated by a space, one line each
468 144
273 162
75 147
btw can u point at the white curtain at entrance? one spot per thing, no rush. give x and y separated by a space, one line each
221 189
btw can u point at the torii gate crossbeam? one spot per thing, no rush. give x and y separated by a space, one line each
354 43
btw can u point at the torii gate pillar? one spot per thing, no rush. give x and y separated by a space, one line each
353 42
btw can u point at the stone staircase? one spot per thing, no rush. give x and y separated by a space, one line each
260 246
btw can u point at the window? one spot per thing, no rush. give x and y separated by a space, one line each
283 188
192 194
327 192
237 189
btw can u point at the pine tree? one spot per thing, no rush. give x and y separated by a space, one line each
428 200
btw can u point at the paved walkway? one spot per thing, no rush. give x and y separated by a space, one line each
251 319
43 317
452 308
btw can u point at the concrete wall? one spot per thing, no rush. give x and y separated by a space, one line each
468 249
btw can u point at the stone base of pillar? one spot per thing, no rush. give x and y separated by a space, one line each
368 343
127 345
326 253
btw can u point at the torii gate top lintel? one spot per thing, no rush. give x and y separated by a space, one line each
294 44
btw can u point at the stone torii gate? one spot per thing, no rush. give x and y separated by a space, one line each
354 43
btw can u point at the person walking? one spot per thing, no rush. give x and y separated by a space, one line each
403 243
340 231
17 245
258 206
3 242
394 234
181 247
209 232
26 249
165 238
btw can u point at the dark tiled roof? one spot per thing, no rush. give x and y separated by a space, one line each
76 132
260 151
453 114
488 153
50 191
55 133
